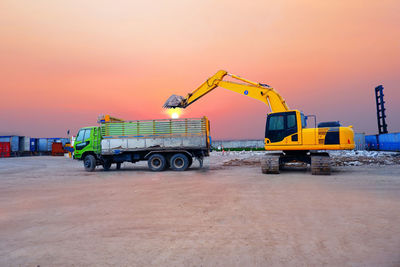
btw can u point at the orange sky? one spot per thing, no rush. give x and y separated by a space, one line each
62 63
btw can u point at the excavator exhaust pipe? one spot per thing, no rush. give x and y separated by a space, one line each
174 101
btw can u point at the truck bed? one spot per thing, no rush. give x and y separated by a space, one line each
129 136
118 145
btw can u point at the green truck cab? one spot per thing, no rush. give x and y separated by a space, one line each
87 142
87 147
162 143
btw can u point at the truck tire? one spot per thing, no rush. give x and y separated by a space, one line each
89 163
107 164
157 163
179 162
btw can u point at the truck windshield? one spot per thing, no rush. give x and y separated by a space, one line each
87 135
80 135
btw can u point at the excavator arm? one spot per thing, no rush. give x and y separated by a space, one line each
261 92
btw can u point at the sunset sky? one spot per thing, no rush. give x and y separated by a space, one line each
62 63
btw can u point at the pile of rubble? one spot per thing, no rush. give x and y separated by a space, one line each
363 157
338 158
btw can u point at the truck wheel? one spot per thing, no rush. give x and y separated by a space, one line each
157 163
179 162
118 165
89 163
107 164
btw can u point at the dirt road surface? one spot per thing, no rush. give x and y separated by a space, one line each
53 213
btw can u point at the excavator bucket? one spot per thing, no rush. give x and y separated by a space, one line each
174 101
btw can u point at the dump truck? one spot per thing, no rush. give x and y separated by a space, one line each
165 143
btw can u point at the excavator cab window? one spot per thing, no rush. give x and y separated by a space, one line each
280 125
277 123
303 120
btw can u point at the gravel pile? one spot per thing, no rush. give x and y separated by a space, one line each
338 158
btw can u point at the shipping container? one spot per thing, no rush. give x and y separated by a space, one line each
359 140
64 141
33 145
24 144
4 149
57 149
50 142
45 144
13 140
371 142
42 145
389 142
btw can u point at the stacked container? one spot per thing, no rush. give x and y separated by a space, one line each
33 147
14 143
387 142
4 149
24 145
359 140
45 144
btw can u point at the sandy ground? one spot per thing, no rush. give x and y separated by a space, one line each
52 213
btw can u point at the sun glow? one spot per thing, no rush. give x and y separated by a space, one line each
174 113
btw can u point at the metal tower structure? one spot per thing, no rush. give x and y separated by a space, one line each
380 110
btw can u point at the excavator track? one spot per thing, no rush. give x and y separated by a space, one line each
270 163
320 164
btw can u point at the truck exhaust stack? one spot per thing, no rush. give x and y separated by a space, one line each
174 101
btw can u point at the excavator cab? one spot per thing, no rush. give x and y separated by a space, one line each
288 131
284 127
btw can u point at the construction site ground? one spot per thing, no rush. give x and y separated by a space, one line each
53 213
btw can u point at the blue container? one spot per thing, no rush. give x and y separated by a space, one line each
371 142
359 140
33 144
51 141
45 144
14 142
389 142
64 141
42 145
24 144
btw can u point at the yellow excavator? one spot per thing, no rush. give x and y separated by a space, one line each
286 129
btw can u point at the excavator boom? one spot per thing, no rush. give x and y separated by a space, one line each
261 92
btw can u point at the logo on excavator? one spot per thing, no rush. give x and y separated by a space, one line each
246 92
